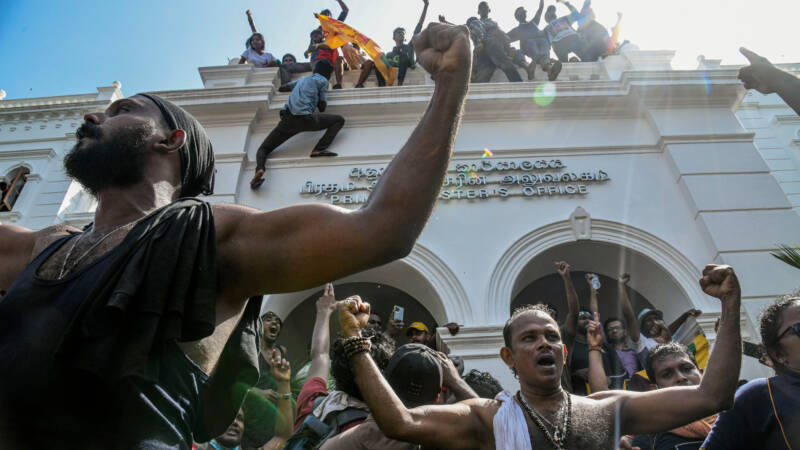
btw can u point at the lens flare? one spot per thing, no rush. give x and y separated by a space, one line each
544 94
707 82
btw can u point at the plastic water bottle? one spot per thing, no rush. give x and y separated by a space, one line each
595 282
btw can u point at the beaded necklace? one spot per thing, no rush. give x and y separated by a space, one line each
559 436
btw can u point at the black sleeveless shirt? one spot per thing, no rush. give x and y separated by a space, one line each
46 404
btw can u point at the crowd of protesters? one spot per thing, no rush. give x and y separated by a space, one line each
109 339
492 51
573 37
635 352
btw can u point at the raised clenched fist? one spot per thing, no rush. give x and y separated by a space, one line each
444 50
563 268
720 281
353 315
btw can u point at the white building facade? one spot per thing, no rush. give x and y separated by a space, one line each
621 166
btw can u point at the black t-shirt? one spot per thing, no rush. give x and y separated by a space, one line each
580 360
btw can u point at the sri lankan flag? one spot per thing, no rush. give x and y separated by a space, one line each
699 348
338 34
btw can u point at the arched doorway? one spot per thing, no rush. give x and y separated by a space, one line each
299 324
421 279
650 285
660 273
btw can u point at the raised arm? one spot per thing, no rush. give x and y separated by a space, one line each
598 381
453 381
281 371
447 426
593 307
302 246
321 337
538 16
345 10
574 14
627 310
573 307
664 409
250 21
418 28
764 77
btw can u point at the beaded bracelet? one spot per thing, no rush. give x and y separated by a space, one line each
355 345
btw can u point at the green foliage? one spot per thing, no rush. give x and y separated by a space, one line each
789 255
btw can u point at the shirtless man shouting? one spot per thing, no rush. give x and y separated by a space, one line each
541 414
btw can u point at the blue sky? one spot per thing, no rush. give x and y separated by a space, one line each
56 48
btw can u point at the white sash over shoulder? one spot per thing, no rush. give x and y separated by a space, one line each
510 428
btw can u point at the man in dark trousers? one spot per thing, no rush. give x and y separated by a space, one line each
308 94
534 43
122 330
496 49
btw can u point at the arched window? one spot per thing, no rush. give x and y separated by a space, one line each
11 187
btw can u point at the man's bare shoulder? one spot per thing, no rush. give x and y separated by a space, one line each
19 246
47 236
227 215
484 408
15 239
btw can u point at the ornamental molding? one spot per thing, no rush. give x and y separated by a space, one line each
511 265
719 138
451 292
786 119
459 154
449 304
10 217
42 153
628 96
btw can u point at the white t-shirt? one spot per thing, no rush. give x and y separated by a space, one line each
644 343
257 60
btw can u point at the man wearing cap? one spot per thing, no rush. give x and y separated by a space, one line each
122 328
655 331
416 374
419 333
